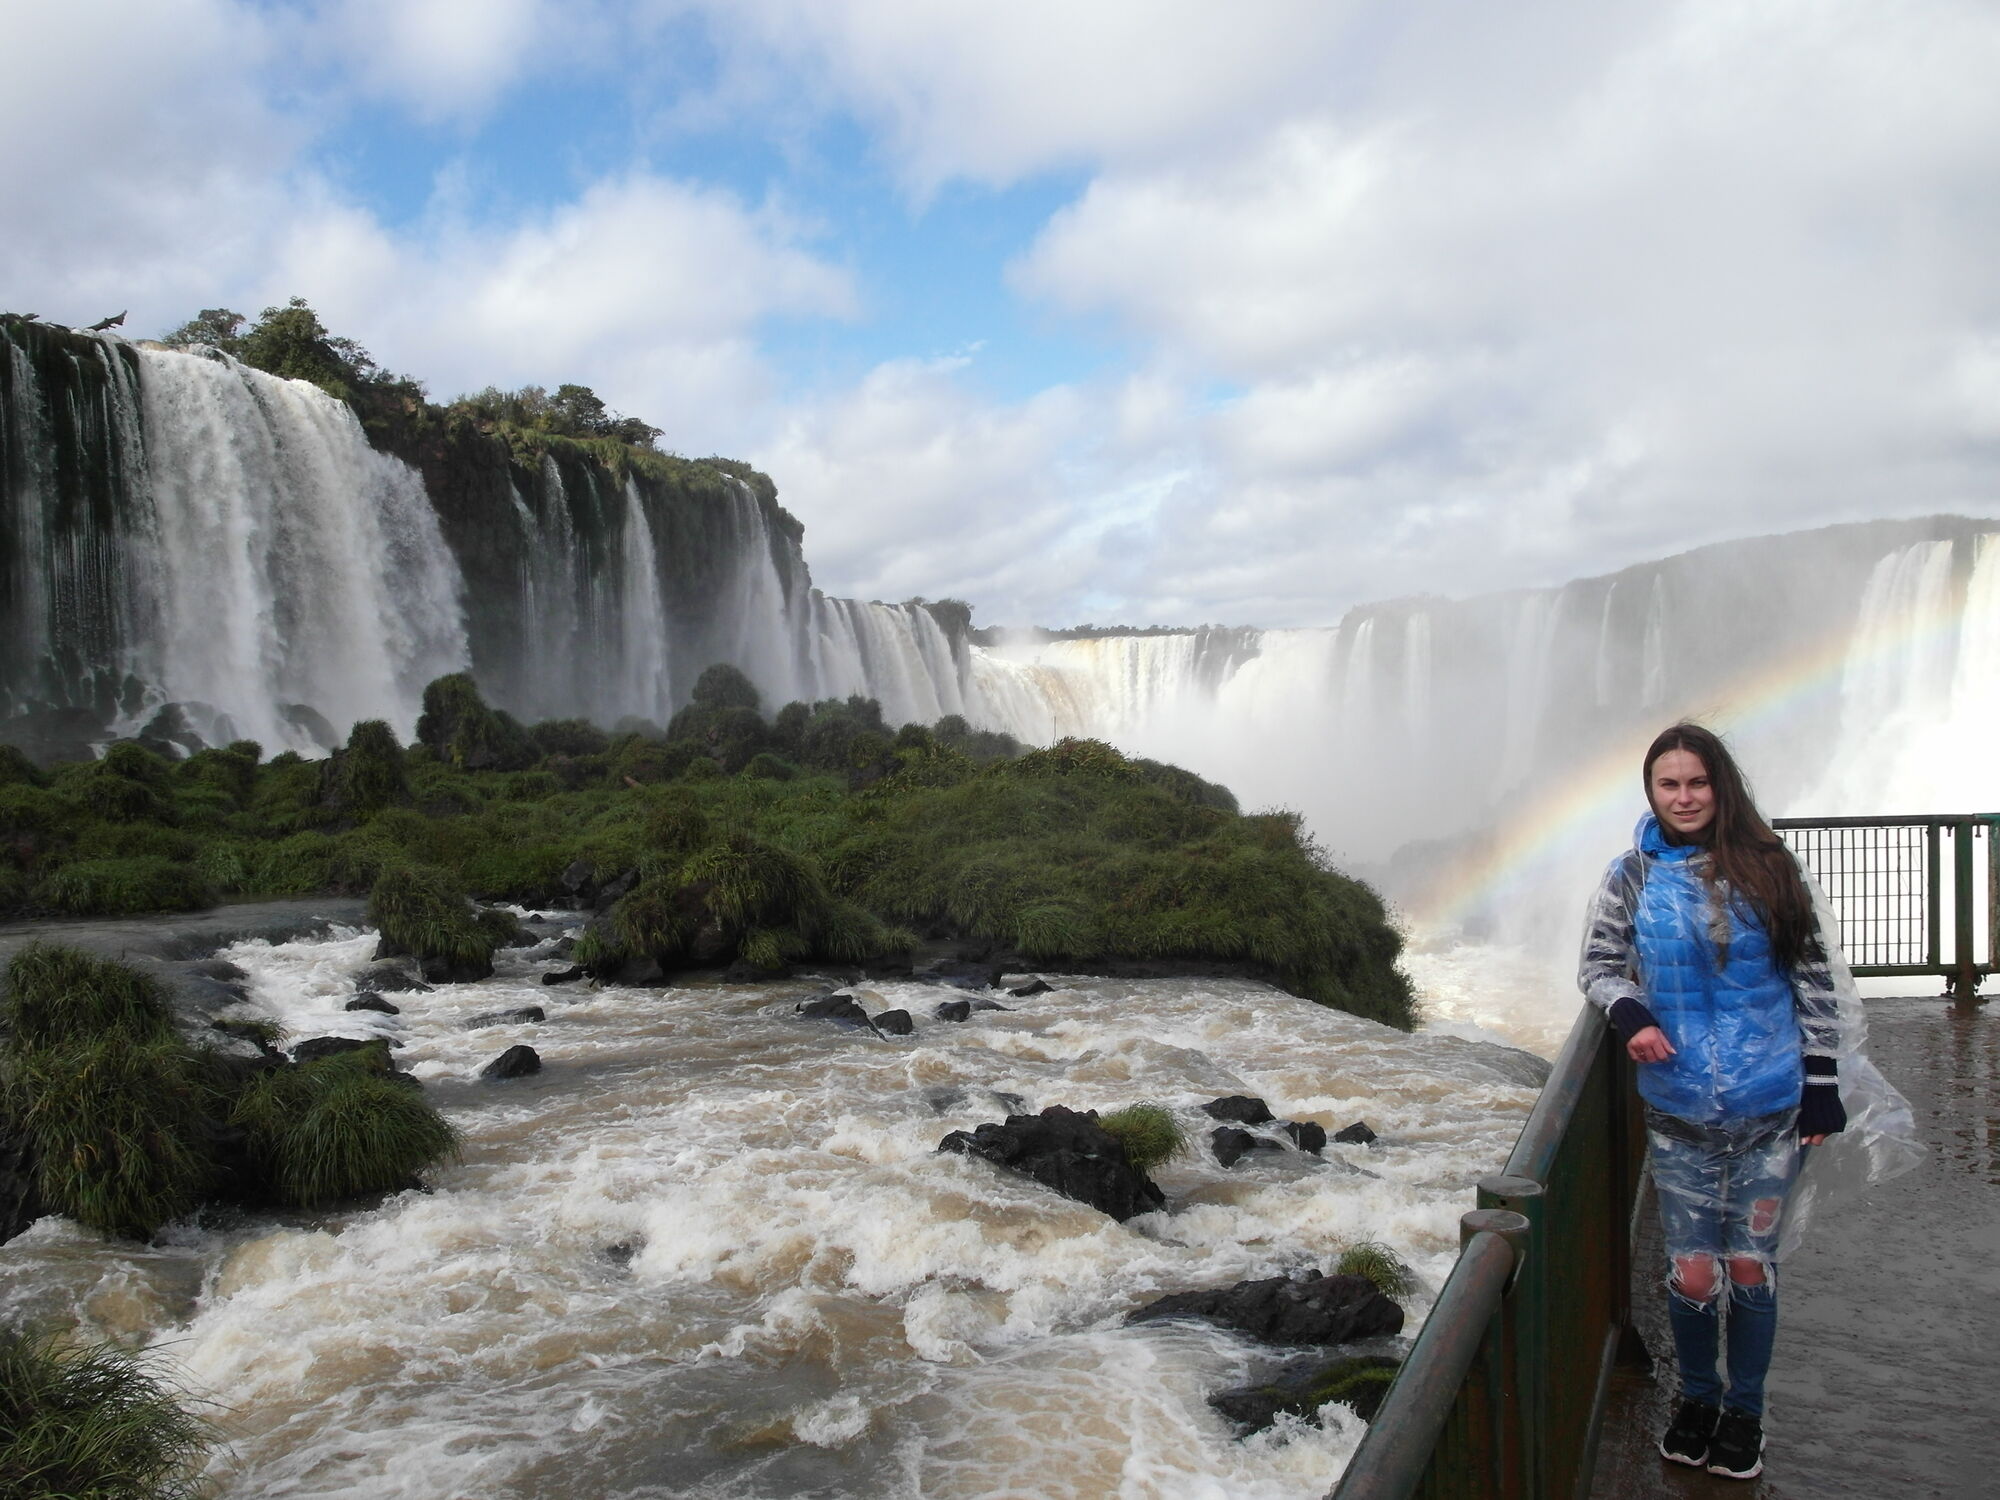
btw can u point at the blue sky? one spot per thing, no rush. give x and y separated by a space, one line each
1146 310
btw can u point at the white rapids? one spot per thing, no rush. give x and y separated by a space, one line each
712 1249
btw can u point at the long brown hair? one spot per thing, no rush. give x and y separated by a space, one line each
1745 854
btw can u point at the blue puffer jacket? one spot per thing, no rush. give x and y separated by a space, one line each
1734 1024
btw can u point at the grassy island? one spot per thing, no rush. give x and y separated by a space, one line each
815 834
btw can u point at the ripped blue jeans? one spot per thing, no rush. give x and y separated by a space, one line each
1722 1191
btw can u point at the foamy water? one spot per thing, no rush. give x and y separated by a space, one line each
712 1249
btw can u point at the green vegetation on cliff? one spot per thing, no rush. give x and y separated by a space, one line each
816 834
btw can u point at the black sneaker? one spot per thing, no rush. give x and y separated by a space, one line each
1687 1440
1737 1449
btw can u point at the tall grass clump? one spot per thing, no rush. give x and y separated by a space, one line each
56 995
1376 1262
1150 1134
417 908
86 1422
124 887
338 1128
118 1128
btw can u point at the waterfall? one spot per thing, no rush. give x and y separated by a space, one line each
289 562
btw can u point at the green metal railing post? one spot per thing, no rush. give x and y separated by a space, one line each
1933 879
1965 979
1530 1309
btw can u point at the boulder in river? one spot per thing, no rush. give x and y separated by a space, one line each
953 1010
565 976
1231 1145
842 1010
1067 1151
1291 1311
313 1048
520 1015
1302 1386
388 979
960 974
1239 1109
457 970
1306 1135
369 1000
516 1062
895 1023
1357 1134
1034 987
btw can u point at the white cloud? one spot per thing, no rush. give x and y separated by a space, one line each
962 88
140 162
452 59
647 289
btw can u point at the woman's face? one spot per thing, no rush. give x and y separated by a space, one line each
1683 797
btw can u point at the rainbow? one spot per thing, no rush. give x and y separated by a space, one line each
1548 834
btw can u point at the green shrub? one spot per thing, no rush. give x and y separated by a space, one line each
418 908
31 815
57 995
1150 1134
369 774
570 737
466 734
85 1421
338 1128
295 866
123 887
1379 1264
768 767
17 770
117 1125
134 841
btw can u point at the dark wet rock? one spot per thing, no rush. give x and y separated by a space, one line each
947 1097
608 894
580 879
1286 1311
369 1000
20 1198
621 1253
518 1016
565 976
503 927
895 1023
386 948
457 970
200 994
253 1035
1036 987
1357 1134
1231 1144
1067 1151
842 1010
1306 1135
953 1010
961 974
219 969
389 979
312 1049
516 1062
1239 1109
1490 1060
313 723
981 1003
1302 1386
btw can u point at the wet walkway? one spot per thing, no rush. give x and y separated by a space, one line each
1887 1377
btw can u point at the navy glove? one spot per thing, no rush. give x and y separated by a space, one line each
1820 1109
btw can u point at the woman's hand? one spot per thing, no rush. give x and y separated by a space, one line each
1811 1140
1649 1046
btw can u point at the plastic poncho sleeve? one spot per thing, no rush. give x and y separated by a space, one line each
1607 972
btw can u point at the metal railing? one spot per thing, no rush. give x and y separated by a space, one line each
1504 1389
1885 878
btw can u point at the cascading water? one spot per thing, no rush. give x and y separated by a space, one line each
287 560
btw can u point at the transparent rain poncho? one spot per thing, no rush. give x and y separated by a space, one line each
1660 934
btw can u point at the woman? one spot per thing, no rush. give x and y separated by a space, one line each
1704 951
